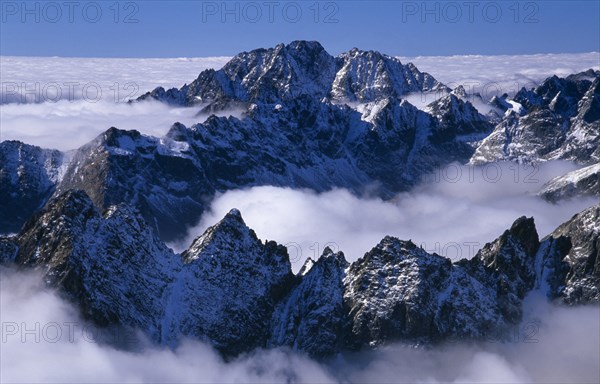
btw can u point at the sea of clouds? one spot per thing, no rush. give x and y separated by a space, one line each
495 75
453 212
45 340
62 103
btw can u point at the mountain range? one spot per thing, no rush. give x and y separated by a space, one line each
239 293
95 219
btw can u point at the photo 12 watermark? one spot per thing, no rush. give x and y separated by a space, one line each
52 92
453 250
526 12
126 12
299 253
326 12
494 173
64 332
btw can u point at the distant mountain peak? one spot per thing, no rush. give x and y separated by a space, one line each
281 73
558 120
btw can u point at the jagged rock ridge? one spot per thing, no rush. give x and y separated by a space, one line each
581 182
296 132
382 149
301 68
238 293
557 120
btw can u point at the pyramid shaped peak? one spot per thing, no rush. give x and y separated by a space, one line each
230 230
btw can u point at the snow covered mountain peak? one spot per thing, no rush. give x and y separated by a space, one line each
580 182
239 293
367 76
557 120
230 234
280 74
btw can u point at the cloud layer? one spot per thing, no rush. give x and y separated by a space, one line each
53 344
116 78
454 212
67 125
84 96
491 75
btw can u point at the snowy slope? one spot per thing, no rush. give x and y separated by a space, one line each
28 176
557 120
301 68
581 182
238 293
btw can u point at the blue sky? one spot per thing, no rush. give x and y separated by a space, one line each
217 28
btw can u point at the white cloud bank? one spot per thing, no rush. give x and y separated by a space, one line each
124 78
449 214
510 73
67 125
75 119
554 345
491 75
439 215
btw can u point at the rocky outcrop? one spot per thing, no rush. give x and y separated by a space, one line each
238 293
312 318
228 287
582 182
568 263
28 176
557 120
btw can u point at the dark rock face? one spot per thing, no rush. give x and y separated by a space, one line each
510 260
28 176
160 178
512 256
569 260
228 287
111 264
312 317
557 120
8 250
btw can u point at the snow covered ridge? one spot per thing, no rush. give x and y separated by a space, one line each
304 144
128 78
307 120
560 119
239 293
581 182
301 68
